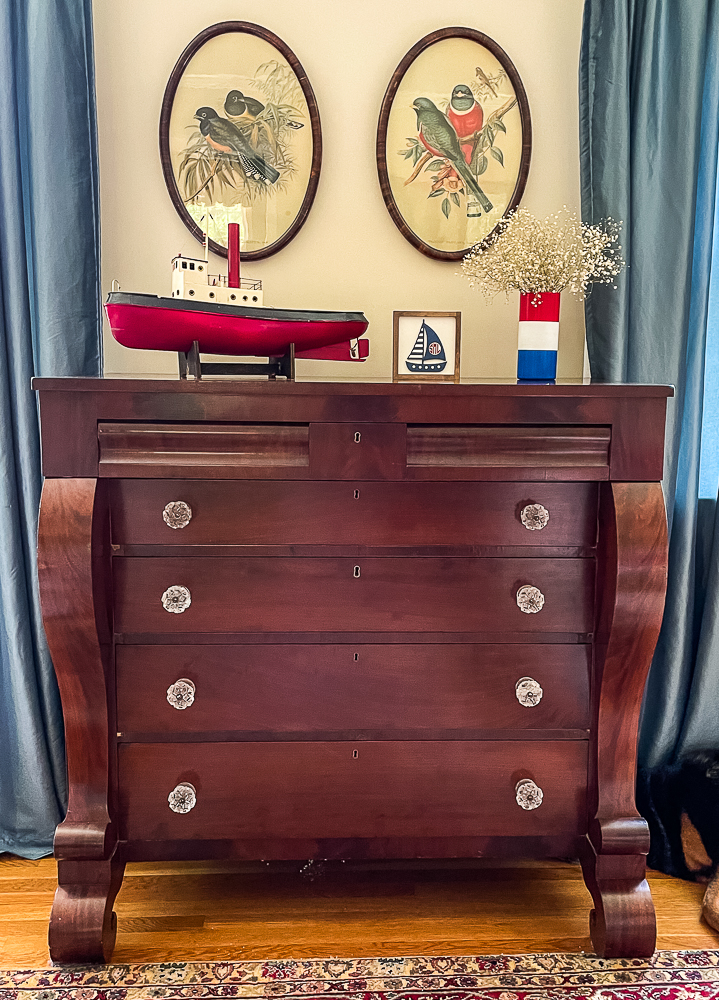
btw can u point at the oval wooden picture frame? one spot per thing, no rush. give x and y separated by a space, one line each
474 108
257 155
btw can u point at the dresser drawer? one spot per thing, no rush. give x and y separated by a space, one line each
382 691
376 594
317 790
351 513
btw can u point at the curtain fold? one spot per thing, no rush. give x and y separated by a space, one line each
649 135
50 324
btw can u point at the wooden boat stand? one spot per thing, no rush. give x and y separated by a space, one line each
191 366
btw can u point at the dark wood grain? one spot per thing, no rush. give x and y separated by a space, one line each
555 845
83 926
353 638
633 568
353 514
241 27
83 403
353 690
357 450
508 66
68 589
562 447
373 594
382 789
129 445
73 560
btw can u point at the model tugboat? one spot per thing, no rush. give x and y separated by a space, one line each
217 314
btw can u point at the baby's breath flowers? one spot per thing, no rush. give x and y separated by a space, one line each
545 255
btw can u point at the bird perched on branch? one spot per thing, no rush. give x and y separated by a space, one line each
466 115
439 136
225 137
236 104
239 105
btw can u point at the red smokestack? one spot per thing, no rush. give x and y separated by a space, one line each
233 255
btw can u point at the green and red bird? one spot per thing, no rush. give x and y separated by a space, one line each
439 137
467 117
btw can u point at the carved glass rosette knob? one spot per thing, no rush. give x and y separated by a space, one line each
534 517
176 600
181 694
530 600
183 797
528 794
177 514
528 691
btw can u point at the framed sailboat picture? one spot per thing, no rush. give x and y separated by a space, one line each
426 346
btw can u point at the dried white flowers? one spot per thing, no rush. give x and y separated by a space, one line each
545 255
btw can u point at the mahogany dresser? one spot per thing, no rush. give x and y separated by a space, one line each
322 621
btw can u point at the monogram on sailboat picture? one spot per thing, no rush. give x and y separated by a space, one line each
427 355
426 346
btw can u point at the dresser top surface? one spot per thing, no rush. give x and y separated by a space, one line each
264 387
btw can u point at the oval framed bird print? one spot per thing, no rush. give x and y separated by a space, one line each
240 139
454 142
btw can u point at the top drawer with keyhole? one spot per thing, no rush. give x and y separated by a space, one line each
358 450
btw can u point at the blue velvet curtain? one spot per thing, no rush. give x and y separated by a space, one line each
649 135
49 325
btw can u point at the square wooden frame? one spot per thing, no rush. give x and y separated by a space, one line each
396 376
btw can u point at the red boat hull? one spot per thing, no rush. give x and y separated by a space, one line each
149 322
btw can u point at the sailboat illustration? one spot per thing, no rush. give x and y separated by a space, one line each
427 355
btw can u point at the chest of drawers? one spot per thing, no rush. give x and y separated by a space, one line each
298 621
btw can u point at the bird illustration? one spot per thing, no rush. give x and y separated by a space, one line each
467 117
482 76
238 105
439 136
225 137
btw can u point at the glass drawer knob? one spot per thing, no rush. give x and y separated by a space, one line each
534 517
183 797
176 600
530 600
177 514
529 796
529 692
181 694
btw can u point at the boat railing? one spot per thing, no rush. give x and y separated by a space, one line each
250 284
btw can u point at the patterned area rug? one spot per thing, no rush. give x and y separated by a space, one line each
683 975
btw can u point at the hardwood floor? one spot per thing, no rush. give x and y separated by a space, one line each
197 911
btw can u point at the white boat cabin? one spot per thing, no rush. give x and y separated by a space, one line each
192 280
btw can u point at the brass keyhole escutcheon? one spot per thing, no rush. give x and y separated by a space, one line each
358 437
356 572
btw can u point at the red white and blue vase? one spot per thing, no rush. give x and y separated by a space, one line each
538 336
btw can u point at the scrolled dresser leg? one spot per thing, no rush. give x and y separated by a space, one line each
83 926
623 922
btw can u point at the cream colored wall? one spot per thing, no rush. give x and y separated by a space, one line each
349 254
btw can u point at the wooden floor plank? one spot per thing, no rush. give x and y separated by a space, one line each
204 911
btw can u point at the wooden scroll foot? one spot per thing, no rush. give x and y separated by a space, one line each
83 926
623 923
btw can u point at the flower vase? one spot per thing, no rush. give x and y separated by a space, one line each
538 336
